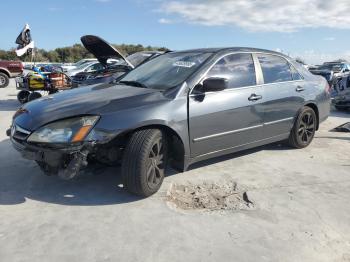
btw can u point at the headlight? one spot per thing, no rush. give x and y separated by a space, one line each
65 131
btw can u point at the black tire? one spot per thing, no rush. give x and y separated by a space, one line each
304 128
4 80
144 162
54 91
22 96
33 96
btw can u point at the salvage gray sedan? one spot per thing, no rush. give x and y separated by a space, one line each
179 108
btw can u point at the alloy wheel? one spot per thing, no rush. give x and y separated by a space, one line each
155 170
306 128
2 80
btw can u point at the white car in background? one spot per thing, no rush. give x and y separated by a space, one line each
90 67
81 62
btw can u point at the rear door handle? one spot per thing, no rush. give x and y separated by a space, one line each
300 89
254 97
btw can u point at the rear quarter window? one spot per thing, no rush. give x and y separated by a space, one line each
275 69
295 74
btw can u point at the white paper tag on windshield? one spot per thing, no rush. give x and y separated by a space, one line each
184 64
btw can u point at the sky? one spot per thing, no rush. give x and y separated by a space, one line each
316 30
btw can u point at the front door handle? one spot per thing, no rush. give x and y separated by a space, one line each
254 97
300 89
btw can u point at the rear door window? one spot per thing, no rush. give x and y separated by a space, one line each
295 73
239 69
275 69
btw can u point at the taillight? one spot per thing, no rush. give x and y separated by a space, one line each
327 88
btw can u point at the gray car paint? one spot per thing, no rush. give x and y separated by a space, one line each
223 122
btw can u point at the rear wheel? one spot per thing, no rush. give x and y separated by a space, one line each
22 96
33 96
304 128
4 80
144 162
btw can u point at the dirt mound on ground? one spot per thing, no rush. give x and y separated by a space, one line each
209 196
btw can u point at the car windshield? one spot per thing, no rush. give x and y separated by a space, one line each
82 62
166 71
84 65
333 67
138 58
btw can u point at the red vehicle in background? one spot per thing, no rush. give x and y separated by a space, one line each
9 69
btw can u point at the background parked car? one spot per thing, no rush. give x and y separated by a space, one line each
66 68
338 76
9 69
104 52
89 67
332 71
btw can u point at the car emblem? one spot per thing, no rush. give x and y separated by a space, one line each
13 130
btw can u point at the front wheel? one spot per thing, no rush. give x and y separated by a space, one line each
144 162
4 80
304 128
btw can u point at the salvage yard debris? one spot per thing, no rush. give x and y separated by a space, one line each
209 196
342 128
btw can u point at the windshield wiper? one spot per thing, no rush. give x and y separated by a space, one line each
133 83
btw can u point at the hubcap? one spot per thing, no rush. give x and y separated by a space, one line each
155 171
306 128
2 80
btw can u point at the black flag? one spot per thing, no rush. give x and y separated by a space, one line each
24 41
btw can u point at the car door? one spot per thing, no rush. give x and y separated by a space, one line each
284 90
225 119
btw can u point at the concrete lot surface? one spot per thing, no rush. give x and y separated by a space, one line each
301 208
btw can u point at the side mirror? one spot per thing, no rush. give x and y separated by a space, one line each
346 70
214 84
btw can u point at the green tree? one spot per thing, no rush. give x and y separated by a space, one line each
71 54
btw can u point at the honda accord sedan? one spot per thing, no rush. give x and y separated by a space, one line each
177 109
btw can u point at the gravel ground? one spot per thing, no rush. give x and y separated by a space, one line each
300 212
208 196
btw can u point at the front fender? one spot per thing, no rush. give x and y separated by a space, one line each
171 114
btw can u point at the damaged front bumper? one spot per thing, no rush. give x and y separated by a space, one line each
65 161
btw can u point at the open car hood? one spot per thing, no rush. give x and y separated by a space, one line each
101 49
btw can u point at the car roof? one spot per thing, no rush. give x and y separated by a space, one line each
335 63
231 49
149 52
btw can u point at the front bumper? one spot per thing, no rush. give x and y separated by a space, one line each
16 74
55 160
41 154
